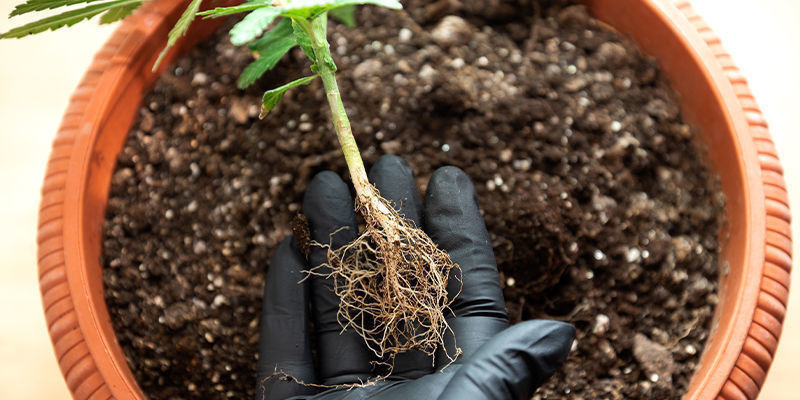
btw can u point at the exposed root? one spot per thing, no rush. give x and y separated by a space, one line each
283 376
392 282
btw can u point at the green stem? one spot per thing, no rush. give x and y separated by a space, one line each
317 31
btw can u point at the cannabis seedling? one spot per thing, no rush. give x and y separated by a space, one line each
392 275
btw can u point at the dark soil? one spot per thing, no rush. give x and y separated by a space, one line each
601 210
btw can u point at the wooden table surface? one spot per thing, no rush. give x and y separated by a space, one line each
37 75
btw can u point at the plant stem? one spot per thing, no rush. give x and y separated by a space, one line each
326 70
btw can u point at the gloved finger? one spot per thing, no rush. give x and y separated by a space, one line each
343 358
285 343
453 221
428 387
513 363
394 179
467 334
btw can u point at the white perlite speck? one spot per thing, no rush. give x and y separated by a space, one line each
633 254
601 323
571 69
405 35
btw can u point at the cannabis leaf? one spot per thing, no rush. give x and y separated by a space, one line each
260 66
345 14
302 21
179 29
68 18
336 4
282 29
253 25
272 97
269 50
305 9
40 5
116 14
225 11
302 38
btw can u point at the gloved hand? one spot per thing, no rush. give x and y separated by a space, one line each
497 362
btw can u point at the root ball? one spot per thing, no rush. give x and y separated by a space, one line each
392 283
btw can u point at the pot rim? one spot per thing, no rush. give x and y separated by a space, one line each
742 343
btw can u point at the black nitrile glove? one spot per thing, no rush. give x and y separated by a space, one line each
498 362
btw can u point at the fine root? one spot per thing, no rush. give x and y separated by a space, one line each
392 282
285 377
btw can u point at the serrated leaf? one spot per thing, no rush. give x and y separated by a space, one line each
310 9
302 39
273 97
254 71
305 9
253 25
393 4
40 5
117 14
345 14
225 11
179 29
281 30
68 18
270 50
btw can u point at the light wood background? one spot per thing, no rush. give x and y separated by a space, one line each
37 75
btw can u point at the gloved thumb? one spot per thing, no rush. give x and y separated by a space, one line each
513 363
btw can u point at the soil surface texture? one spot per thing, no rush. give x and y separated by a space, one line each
601 210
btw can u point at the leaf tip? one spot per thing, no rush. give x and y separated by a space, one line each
159 59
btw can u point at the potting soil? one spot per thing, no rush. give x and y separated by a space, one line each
601 209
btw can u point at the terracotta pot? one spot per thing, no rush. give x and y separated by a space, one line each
756 261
